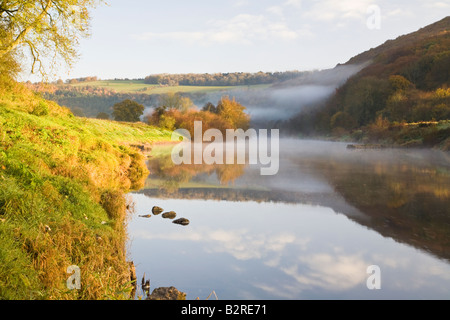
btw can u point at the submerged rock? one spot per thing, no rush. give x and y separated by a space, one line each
169 215
182 221
146 216
165 293
157 210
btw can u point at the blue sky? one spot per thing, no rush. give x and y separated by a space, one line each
135 38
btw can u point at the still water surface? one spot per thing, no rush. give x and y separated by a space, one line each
309 232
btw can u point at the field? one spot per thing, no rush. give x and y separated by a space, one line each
138 86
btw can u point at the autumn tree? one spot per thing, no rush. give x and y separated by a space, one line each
128 111
48 30
399 83
234 113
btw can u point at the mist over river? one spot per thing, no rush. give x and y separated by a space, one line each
309 232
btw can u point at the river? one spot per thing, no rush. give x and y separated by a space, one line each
312 231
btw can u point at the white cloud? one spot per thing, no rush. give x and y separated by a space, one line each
331 272
276 10
438 5
241 3
399 13
294 3
331 11
238 243
243 29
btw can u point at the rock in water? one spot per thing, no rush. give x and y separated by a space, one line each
169 215
171 293
146 216
157 210
182 221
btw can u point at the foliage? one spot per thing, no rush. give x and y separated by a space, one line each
222 79
128 111
229 114
343 120
233 113
174 100
9 64
46 28
103 115
399 83
41 109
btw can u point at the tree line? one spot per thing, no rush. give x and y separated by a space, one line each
222 79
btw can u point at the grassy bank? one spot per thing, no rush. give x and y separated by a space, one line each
62 186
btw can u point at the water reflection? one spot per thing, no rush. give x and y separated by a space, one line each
309 232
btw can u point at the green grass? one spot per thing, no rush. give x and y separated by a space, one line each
63 182
138 86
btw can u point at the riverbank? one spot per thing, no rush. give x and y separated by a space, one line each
428 135
63 182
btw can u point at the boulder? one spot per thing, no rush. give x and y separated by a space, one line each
182 221
169 215
157 210
164 293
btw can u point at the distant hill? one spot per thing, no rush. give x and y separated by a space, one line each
390 46
423 57
404 81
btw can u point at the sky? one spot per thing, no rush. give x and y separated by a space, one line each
136 38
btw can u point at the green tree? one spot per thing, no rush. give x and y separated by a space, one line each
49 29
176 101
103 116
209 107
364 97
343 120
128 111
399 83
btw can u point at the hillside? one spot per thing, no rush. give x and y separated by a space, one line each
406 81
436 29
89 98
62 185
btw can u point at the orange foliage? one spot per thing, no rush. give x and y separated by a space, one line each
230 115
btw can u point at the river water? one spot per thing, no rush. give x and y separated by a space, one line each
309 232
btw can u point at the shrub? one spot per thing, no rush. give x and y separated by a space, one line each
343 120
128 110
114 204
41 109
